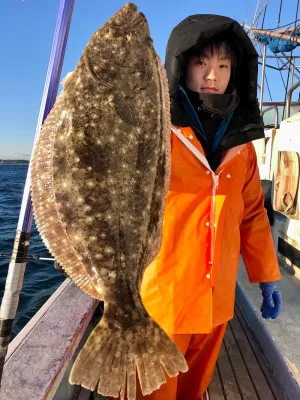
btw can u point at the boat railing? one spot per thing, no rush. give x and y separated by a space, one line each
274 107
289 98
41 353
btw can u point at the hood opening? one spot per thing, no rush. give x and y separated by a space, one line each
192 33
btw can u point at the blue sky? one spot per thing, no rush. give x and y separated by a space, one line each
26 32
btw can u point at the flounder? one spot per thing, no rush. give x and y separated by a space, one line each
100 174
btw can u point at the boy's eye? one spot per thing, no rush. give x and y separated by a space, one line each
224 66
199 62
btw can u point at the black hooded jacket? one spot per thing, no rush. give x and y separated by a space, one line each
246 123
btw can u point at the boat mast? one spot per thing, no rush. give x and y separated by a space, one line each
275 38
14 280
262 79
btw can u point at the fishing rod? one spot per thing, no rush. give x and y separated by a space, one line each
17 265
29 257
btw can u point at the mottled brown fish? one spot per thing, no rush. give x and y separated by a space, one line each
100 175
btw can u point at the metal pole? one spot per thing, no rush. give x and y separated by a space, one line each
278 103
262 78
14 280
286 57
292 71
30 257
273 34
289 98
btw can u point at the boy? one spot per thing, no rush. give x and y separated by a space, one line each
214 206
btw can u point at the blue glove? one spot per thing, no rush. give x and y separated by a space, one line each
272 302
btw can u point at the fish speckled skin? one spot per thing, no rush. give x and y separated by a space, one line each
100 174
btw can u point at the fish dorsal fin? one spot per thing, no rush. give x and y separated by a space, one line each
67 79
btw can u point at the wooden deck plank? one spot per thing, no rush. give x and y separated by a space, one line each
265 370
241 372
215 389
227 376
248 390
239 375
254 368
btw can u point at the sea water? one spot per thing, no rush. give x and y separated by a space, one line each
41 278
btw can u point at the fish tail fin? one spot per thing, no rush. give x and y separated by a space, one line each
112 358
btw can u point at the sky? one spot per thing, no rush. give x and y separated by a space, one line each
26 33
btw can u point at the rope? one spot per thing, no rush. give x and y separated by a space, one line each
296 13
296 16
295 25
266 78
288 25
282 26
268 87
280 73
288 77
263 8
247 9
263 21
254 17
279 15
297 69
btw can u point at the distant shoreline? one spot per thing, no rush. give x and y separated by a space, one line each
14 162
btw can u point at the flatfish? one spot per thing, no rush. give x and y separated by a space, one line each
100 174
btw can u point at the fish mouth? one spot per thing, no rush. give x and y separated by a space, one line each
130 19
138 19
126 21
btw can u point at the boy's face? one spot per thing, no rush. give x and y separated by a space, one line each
208 74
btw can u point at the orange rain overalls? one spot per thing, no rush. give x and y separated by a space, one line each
210 217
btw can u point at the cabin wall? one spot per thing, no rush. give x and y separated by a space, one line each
278 157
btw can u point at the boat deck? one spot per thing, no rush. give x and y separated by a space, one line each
44 349
242 372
